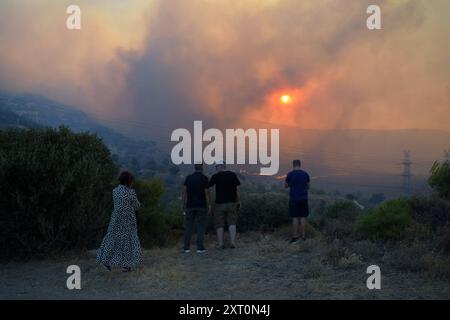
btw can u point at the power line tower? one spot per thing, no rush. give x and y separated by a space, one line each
407 188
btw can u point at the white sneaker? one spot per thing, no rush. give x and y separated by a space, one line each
187 251
201 251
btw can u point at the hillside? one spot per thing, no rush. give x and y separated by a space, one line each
28 110
10 120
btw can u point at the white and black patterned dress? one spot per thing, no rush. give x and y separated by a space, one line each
120 247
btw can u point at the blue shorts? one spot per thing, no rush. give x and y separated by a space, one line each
298 208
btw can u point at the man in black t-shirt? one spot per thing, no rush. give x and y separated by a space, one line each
227 202
196 203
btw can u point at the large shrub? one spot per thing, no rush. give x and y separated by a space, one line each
156 226
387 221
432 211
263 211
440 179
337 219
342 210
55 190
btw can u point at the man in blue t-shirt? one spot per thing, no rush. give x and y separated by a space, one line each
298 183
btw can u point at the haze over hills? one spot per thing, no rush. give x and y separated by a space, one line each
9 119
361 159
349 160
369 151
29 110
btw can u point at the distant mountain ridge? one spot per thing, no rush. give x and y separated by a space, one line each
29 110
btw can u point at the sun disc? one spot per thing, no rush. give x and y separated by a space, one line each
286 99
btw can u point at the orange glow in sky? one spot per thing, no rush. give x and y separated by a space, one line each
150 55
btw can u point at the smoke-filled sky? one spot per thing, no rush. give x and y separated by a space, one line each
165 62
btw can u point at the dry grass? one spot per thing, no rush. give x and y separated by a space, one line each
264 266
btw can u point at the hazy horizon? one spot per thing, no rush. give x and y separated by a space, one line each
256 123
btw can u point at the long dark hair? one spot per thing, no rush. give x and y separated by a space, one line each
126 178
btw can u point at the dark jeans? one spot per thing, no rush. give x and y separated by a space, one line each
199 215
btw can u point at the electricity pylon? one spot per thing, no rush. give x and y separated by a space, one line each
407 188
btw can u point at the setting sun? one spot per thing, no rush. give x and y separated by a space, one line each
286 99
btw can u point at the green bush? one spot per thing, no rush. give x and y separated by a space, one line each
387 221
342 210
55 190
156 226
175 218
432 211
149 193
263 211
440 179
338 219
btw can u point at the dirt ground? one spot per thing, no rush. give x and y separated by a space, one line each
261 267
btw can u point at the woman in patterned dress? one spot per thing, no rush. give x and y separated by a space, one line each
120 247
